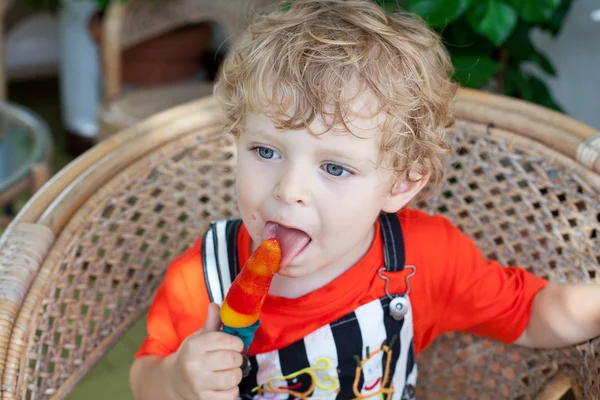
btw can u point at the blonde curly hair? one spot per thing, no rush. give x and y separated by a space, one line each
296 64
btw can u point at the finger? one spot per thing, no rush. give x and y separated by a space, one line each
222 360
225 380
216 341
231 394
213 319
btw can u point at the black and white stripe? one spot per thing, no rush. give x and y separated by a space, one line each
393 329
209 263
406 362
318 351
219 257
231 233
293 359
370 318
348 344
334 352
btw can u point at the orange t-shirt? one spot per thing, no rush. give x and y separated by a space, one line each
454 289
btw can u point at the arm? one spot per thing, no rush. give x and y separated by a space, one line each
563 315
185 356
148 376
464 291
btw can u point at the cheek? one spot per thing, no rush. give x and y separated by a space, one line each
343 225
254 186
349 206
242 187
247 184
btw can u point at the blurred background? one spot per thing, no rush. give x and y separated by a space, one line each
81 80
75 72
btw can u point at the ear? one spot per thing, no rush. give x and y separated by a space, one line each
402 192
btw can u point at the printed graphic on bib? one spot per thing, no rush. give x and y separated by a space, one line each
300 384
376 385
376 381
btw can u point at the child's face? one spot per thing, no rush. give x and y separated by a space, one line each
329 187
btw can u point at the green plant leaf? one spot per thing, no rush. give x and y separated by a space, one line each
542 94
439 13
388 5
555 23
533 89
511 81
536 10
524 87
520 48
461 39
286 5
544 63
494 19
474 71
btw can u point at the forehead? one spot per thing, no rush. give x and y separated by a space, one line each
358 112
361 116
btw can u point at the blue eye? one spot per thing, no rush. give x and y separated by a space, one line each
266 153
336 170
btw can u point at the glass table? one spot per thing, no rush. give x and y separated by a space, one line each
25 153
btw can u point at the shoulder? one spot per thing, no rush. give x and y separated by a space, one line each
434 242
186 273
417 223
187 262
184 278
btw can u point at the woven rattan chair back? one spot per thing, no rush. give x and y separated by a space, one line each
82 261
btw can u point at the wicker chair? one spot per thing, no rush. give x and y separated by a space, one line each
81 262
129 23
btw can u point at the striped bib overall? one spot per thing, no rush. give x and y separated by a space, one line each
366 354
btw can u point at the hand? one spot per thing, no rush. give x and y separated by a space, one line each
207 364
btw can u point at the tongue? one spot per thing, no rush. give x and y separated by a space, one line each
292 241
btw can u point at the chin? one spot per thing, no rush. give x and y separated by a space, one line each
294 271
290 272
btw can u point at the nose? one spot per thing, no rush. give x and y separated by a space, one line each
293 186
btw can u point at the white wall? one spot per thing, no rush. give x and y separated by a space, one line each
575 54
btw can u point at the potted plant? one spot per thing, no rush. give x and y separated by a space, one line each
490 41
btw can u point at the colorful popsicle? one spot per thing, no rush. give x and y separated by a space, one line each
243 302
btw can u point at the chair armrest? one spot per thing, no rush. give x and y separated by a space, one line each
23 248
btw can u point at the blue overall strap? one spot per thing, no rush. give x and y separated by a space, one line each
393 241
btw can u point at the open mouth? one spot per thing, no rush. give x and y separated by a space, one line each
293 241
373 385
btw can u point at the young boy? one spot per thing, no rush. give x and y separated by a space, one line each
339 113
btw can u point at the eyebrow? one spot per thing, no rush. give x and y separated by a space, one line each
334 153
260 132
